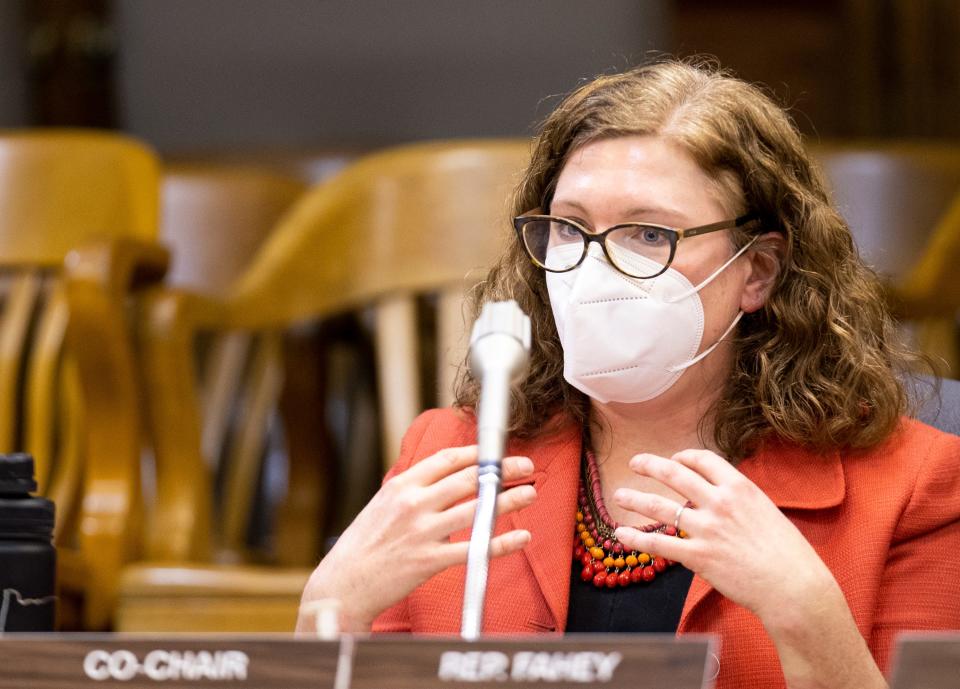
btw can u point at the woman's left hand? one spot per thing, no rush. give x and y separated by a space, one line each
737 538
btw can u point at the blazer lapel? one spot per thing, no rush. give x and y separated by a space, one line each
550 519
792 478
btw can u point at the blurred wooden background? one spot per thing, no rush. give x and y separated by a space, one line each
259 400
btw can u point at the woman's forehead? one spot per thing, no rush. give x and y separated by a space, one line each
647 177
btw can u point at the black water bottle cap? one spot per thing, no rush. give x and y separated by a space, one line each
16 473
21 515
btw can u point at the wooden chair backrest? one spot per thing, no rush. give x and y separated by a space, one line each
214 217
892 195
412 220
427 218
409 218
902 202
62 188
65 196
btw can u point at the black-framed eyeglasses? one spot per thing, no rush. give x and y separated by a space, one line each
639 250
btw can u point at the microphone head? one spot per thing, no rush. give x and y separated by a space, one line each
500 340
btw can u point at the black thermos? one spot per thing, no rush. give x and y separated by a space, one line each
27 557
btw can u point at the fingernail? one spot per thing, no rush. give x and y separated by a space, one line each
525 464
527 492
619 494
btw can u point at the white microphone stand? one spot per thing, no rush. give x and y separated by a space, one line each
499 354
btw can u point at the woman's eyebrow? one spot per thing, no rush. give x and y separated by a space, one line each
656 210
569 204
632 212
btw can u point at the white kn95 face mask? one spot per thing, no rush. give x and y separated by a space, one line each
626 339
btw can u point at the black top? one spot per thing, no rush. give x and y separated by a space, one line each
641 607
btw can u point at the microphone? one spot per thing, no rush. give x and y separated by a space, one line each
499 354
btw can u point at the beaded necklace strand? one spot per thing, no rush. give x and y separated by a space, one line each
606 563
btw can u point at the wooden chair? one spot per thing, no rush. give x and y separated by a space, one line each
77 233
902 201
215 216
418 219
310 165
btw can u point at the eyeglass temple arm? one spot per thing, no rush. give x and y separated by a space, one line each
713 227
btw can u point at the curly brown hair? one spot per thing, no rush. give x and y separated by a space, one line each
818 365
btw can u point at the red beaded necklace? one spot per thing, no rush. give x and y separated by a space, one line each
605 561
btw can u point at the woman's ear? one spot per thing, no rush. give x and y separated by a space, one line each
766 261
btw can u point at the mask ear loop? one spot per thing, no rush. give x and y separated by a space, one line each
705 352
698 357
712 276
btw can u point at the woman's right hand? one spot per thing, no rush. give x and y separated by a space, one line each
401 538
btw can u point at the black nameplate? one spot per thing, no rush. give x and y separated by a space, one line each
402 662
64 661
926 660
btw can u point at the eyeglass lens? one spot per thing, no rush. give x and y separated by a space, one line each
637 250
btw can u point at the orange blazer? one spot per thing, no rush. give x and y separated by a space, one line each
885 521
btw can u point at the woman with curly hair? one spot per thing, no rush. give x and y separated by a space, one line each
712 434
